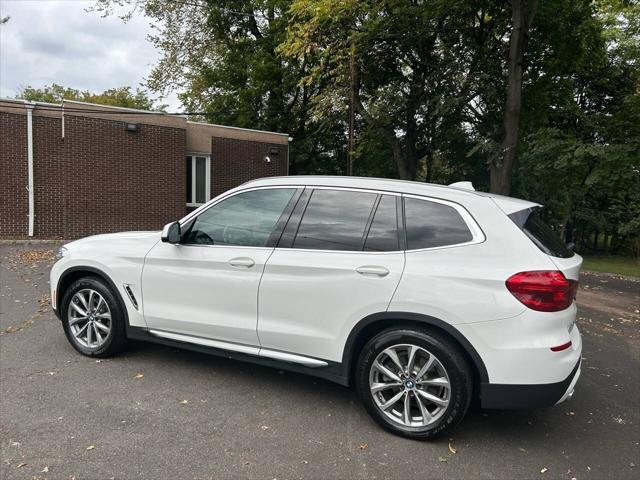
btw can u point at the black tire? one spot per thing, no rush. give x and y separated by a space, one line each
450 357
116 339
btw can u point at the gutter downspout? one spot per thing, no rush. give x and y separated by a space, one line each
29 106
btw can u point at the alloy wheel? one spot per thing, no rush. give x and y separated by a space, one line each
409 385
89 318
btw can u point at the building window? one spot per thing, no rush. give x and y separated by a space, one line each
198 179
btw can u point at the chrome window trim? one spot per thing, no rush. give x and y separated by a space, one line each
477 234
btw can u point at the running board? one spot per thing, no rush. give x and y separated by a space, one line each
236 347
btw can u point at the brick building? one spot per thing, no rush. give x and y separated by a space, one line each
96 169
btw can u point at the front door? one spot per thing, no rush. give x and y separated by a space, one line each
207 286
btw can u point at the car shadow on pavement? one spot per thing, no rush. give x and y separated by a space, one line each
308 389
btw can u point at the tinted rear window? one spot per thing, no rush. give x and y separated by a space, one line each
530 221
335 220
431 224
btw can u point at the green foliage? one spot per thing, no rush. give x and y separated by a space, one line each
116 97
612 264
429 84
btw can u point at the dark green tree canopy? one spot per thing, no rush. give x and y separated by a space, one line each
542 95
116 97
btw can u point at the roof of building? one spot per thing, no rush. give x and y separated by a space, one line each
198 133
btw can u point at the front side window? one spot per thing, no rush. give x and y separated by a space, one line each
245 219
431 224
198 189
335 220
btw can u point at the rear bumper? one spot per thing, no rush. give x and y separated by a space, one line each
515 397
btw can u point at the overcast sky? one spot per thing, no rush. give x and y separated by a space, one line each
57 41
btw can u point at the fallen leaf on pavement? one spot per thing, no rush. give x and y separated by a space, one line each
20 465
543 470
139 375
523 450
443 459
451 448
570 414
44 470
91 447
184 402
264 427
364 446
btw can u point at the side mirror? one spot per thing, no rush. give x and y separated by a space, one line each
171 233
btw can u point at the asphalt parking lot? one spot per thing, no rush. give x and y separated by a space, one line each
157 412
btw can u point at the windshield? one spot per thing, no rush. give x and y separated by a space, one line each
530 221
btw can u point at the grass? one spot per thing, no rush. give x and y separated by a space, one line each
609 264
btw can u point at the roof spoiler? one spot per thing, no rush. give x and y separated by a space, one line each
463 186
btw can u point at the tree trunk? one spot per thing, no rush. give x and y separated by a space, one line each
502 168
402 162
429 166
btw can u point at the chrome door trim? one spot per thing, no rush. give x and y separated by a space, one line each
290 357
236 347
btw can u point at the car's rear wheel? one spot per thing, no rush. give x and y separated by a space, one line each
93 320
413 382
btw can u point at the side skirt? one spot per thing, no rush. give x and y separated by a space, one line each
332 371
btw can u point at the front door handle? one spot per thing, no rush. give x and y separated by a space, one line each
372 270
242 262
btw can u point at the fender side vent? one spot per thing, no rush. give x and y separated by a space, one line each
132 297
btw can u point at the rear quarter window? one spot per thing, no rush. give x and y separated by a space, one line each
532 224
431 224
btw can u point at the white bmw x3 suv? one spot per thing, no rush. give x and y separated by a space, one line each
422 296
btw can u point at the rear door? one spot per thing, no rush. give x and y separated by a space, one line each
340 259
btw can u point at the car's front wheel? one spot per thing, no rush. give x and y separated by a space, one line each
413 382
92 317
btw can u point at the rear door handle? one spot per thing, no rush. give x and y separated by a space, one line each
372 270
242 262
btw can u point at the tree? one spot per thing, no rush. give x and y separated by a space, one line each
523 13
222 56
443 90
580 155
406 87
117 97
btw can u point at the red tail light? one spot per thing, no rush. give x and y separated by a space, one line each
543 290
